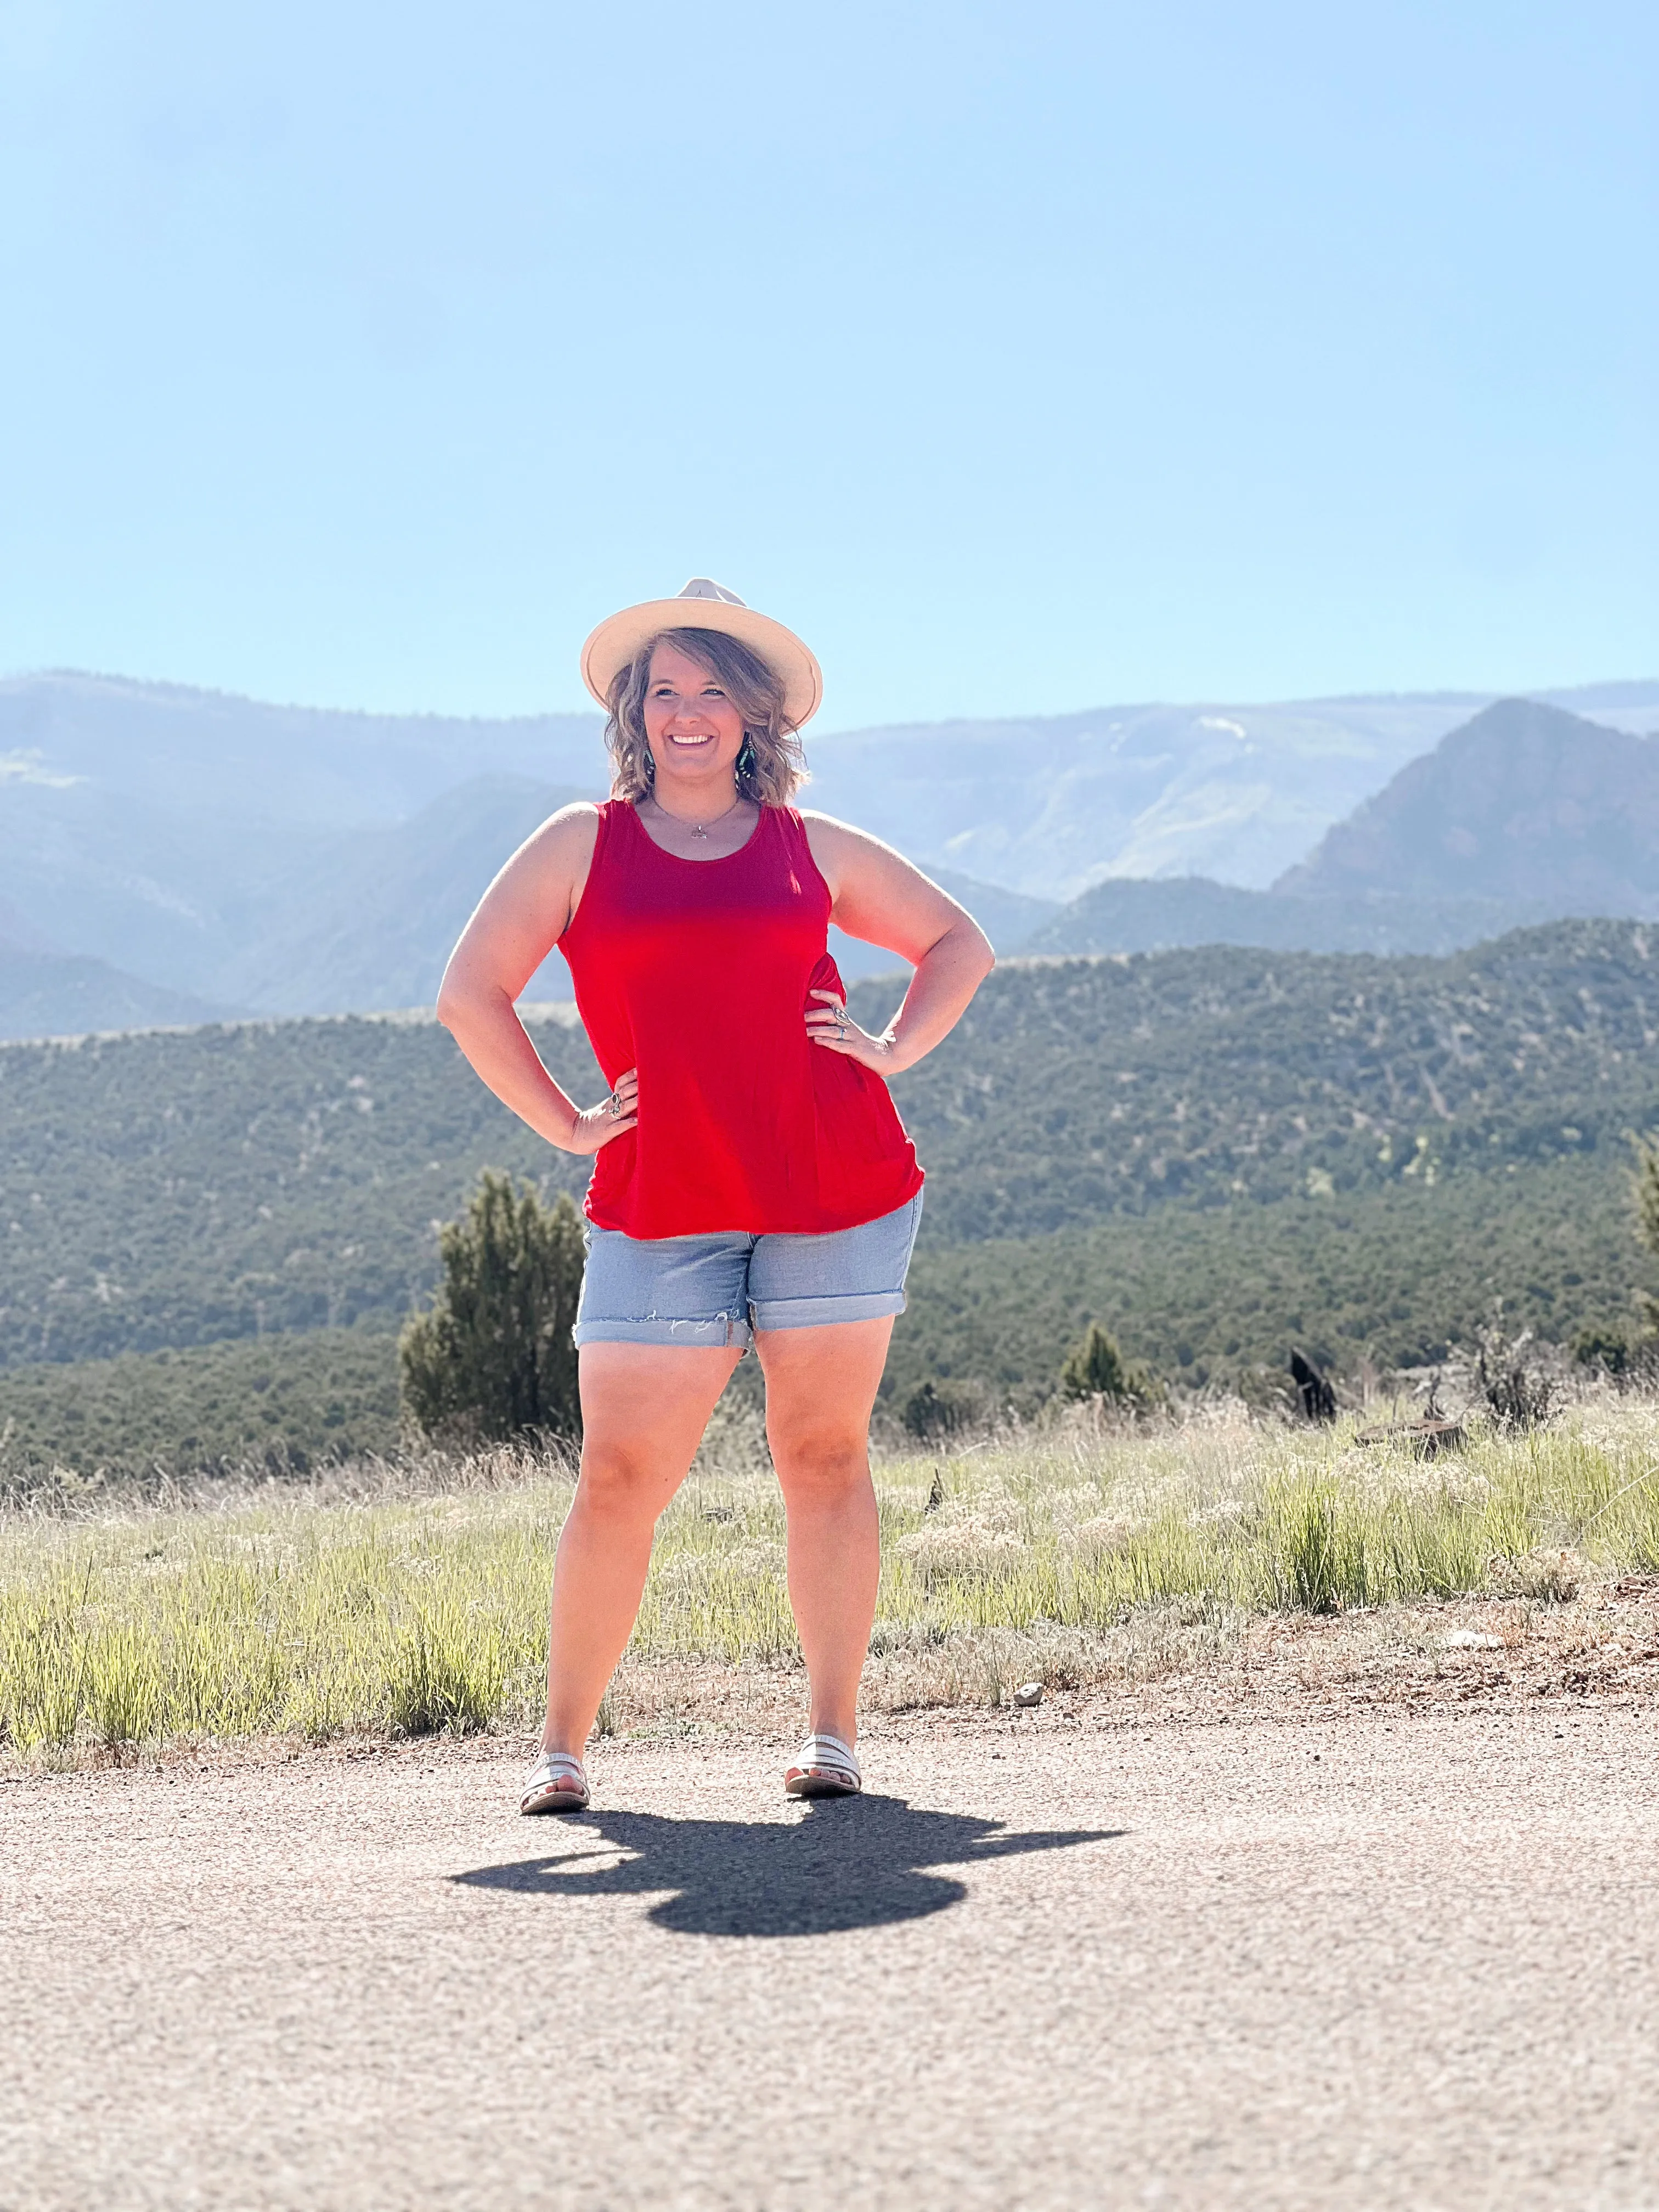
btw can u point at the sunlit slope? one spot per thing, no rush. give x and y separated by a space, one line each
1078 1089
172 1189
1398 1277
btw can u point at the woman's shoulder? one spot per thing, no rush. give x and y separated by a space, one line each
580 823
568 837
810 818
834 834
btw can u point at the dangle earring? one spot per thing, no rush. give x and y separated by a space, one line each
746 765
650 769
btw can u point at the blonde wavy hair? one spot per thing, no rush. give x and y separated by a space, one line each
770 767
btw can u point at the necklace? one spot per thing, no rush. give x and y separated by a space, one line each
697 829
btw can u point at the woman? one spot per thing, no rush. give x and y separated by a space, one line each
751 1181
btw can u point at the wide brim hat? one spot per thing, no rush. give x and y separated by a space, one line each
704 605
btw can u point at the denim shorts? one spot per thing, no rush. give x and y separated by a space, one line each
719 1289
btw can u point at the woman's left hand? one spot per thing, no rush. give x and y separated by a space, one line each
830 1025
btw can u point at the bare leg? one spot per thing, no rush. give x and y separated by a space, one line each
820 1388
644 1410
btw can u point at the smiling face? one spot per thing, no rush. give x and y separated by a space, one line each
694 729
701 700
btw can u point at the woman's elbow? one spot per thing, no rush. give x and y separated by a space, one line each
964 949
458 999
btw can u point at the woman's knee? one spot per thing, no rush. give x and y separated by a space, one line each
618 1480
827 1464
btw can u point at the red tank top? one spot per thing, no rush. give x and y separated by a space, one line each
696 973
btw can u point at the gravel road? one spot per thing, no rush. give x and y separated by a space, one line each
1409 1962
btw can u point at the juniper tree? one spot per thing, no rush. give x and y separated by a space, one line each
491 1357
1647 1192
1647 1217
1094 1368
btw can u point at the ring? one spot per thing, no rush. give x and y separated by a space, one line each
613 1107
841 1022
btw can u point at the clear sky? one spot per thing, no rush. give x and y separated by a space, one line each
1025 357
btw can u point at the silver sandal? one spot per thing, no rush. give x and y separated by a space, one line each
824 1767
556 1783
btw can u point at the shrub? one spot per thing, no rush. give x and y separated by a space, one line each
492 1357
1512 1376
1603 1349
946 1409
1095 1369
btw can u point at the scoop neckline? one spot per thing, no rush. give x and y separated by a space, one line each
686 859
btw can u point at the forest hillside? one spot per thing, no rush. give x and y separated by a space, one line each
1214 1151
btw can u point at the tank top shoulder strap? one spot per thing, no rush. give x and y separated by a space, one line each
610 843
792 831
797 845
609 849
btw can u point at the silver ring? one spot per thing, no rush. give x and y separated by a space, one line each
841 1022
613 1107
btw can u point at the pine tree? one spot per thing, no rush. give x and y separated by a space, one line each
1647 1192
492 1356
1095 1369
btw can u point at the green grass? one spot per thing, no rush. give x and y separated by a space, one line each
321 1615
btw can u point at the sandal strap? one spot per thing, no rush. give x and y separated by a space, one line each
828 1750
557 1766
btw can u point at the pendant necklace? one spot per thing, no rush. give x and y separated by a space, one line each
698 829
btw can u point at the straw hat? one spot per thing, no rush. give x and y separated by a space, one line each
706 605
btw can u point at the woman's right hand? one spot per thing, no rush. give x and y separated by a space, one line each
596 1125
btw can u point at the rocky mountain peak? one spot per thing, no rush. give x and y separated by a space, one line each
1524 801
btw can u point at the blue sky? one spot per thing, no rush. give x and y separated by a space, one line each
1025 357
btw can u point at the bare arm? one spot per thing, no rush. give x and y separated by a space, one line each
878 895
515 926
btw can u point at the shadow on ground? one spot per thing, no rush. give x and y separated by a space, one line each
857 1862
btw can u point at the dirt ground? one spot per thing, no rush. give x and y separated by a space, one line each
1181 1946
1429 1656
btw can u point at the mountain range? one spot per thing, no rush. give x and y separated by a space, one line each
1525 802
1525 814
169 855
1238 794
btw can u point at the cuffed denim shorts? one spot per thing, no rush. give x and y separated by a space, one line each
719 1289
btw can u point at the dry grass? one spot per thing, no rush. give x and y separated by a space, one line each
402 1601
